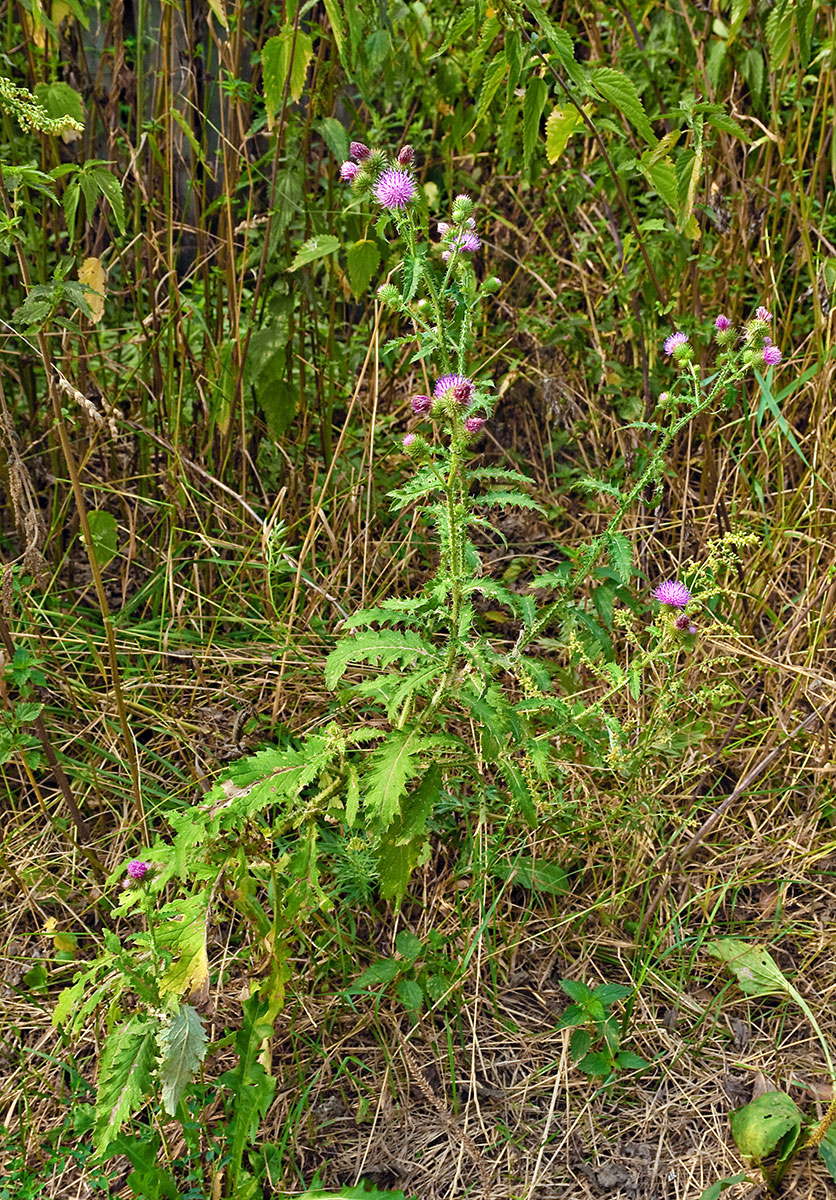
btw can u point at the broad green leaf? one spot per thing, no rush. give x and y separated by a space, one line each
827 1150
60 100
579 1044
394 762
104 535
250 1085
183 1048
335 137
597 1064
518 787
284 62
408 944
124 1076
621 92
316 247
494 75
410 994
560 42
769 1126
536 875
716 1189
182 931
576 990
402 844
363 261
631 1062
332 8
378 973
26 711
111 189
534 101
560 125
755 970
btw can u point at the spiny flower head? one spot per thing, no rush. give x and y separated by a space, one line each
394 188
673 593
138 869
408 439
421 405
683 624
474 424
722 323
349 171
359 151
763 313
461 383
771 354
675 342
406 156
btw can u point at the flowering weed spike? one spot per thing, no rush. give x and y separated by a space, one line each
395 188
672 593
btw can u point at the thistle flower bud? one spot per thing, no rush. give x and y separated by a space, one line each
408 440
763 314
349 171
359 151
406 156
771 355
137 870
491 285
443 228
388 294
462 208
421 405
722 323
474 424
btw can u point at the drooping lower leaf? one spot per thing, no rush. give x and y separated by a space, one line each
768 1127
183 1048
125 1076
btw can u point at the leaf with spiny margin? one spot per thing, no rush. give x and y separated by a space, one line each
385 646
252 1088
413 269
512 499
494 590
621 92
519 790
183 1048
422 482
598 485
182 932
461 27
621 555
394 762
389 611
503 474
487 33
416 681
125 1076
401 845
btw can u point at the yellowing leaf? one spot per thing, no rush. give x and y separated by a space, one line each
92 274
284 64
560 126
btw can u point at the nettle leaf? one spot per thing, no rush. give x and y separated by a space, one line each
755 970
363 260
316 247
284 62
622 93
183 1048
534 875
518 787
560 42
124 1077
769 1126
385 646
111 189
494 76
561 124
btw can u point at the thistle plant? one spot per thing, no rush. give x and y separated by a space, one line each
439 709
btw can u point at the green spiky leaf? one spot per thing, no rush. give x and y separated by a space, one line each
125 1076
183 1048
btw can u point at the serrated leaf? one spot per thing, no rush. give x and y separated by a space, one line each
316 247
576 990
494 76
400 846
510 500
182 931
560 42
518 787
334 135
621 555
124 1077
408 944
769 1126
104 534
111 189
385 646
413 269
378 973
393 763
621 92
561 124
183 1048
284 63
332 8
596 1064
363 260
579 1044
755 970
631 1062
250 1084
410 994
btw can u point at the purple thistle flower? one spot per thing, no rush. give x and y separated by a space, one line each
395 188
359 151
408 439
722 323
137 869
771 355
443 228
406 156
465 241
672 593
421 405
683 623
763 313
349 171
675 340
462 196
474 424
446 382
446 255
